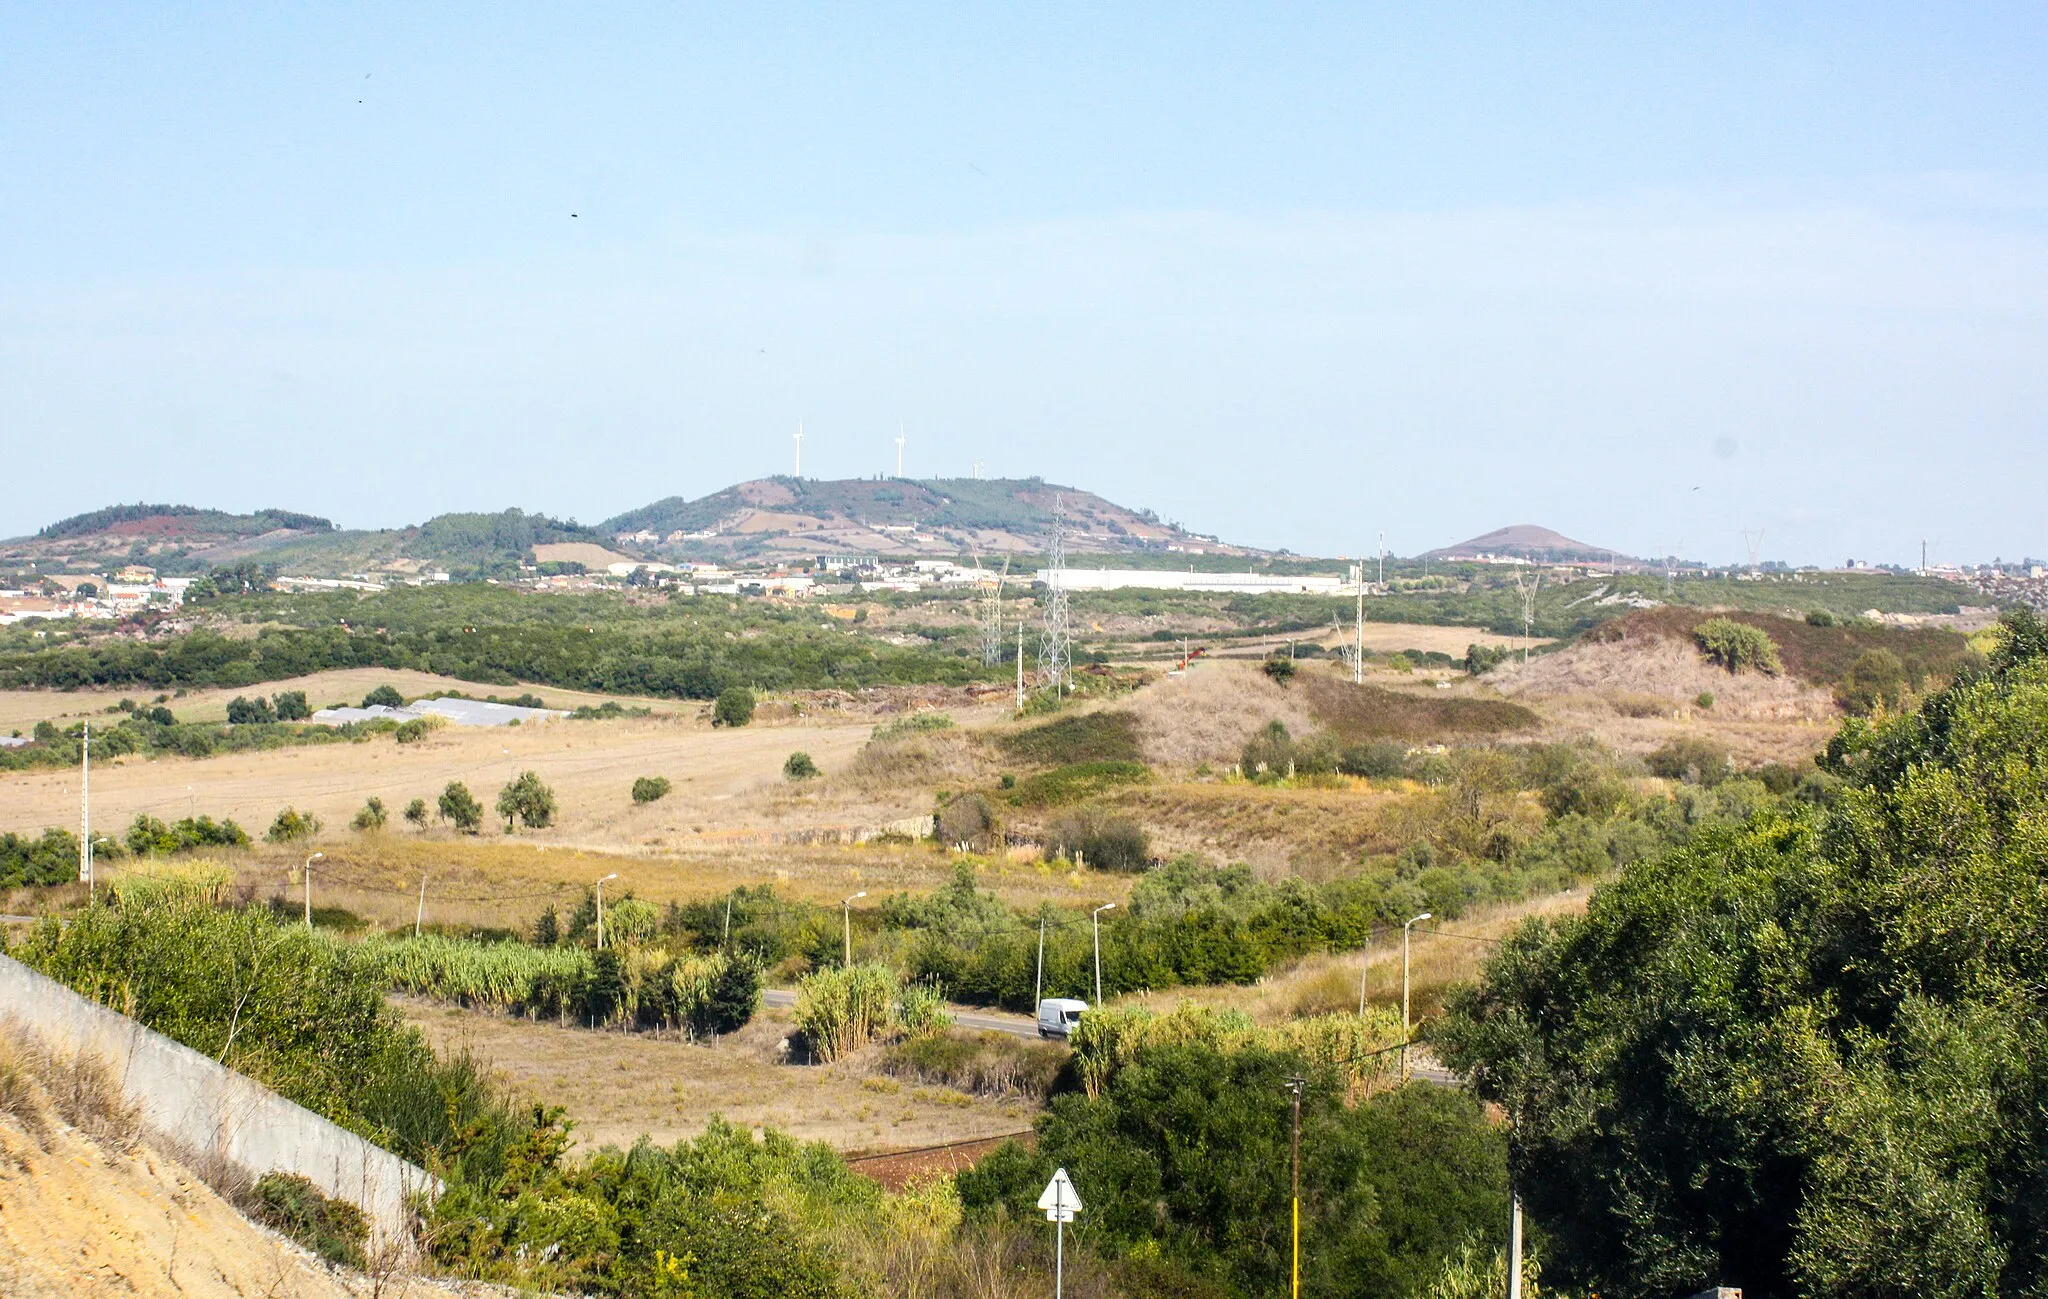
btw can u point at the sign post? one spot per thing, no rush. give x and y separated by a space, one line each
1060 1202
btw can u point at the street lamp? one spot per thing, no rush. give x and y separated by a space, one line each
308 870
600 909
1404 989
1095 919
846 915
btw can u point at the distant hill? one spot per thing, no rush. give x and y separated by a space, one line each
1528 541
183 539
810 516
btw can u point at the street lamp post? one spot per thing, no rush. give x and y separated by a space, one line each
1406 926
308 871
600 909
846 920
1095 918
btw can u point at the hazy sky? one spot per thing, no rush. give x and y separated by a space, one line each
1649 275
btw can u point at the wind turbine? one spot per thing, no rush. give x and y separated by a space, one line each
799 448
899 450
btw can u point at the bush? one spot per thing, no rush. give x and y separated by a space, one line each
245 712
915 724
981 1064
734 707
386 696
411 731
1877 679
1103 841
148 836
651 789
1703 700
52 859
1380 760
842 1009
1278 668
1483 658
292 826
1079 737
1820 618
1690 758
334 1229
1077 781
372 817
459 807
528 801
1737 646
291 706
798 766
416 813
966 819
1270 753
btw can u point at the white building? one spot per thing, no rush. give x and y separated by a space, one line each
1116 579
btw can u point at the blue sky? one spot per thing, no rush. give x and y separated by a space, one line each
1294 274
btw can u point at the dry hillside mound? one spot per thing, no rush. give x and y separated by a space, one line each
1819 656
87 1209
1650 673
1208 712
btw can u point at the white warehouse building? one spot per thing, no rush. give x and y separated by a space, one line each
1114 579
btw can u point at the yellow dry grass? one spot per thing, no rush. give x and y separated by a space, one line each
1205 714
24 708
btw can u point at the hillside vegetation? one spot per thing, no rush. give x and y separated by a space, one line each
1803 1055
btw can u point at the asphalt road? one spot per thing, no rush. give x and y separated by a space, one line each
982 1020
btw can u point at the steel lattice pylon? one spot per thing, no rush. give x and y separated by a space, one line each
1055 649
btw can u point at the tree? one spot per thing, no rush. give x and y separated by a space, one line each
1737 645
651 789
798 766
734 707
1803 1055
968 819
460 807
292 826
291 706
1269 754
243 712
416 813
1877 679
387 696
373 816
528 801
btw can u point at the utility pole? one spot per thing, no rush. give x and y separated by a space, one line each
600 909
1383 559
420 913
846 915
1404 991
1358 650
1514 1238
85 815
308 871
1038 983
1055 649
1020 665
1295 1085
1096 919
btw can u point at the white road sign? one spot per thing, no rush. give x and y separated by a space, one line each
1060 1201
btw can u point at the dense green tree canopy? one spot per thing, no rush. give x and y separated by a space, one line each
1807 1056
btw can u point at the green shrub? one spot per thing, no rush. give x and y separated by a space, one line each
734 707
967 819
1820 618
460 808
798 766
1484 658
386 696
292 826
51 859
334 1229
416 813
1379 760
1269 754
1703 700
372 817
1279 668
244 712
915 724
980 1064
291 706
1737 646
651 789
412 731
1691 758
842 1009
1877 679
149 837
1101 840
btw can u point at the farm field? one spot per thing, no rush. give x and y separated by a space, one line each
617 1086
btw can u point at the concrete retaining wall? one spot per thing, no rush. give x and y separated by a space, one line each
203 1110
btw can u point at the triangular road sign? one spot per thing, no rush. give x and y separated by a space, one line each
1060 1200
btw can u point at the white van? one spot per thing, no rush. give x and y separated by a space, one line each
1058 1015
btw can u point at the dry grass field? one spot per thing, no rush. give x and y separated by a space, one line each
617 1086
22 709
